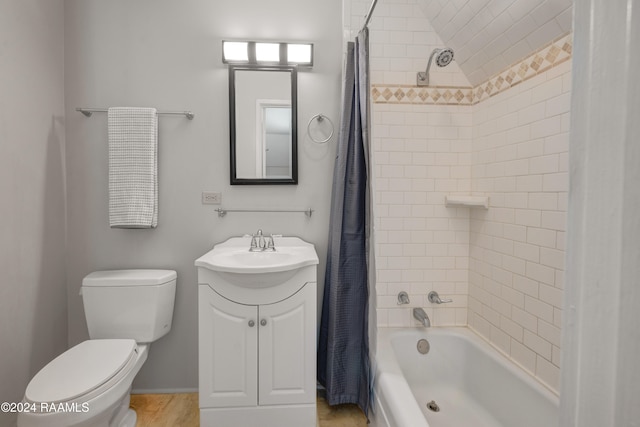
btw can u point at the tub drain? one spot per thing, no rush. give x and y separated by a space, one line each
433 406
423 346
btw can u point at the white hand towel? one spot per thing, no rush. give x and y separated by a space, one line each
133 167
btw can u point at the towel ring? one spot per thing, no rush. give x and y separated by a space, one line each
320 117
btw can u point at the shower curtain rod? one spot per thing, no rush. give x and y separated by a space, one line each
367 17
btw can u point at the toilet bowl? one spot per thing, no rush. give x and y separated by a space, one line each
90 384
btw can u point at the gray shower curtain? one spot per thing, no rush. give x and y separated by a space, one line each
343 348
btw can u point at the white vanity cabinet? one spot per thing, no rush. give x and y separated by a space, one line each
257 348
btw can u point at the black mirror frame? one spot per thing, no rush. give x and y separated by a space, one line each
294 127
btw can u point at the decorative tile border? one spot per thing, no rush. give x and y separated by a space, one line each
547 57
405 94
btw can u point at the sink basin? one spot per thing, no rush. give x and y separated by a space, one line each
233 256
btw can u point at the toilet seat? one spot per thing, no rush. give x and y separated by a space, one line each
82 370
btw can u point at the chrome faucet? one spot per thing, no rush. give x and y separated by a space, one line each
260 243
421 316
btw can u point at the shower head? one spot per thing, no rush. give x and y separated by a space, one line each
443 57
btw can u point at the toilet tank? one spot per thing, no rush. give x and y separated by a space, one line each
135 304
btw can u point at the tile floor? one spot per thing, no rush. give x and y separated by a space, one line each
181 410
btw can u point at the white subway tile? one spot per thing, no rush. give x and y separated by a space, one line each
390 250
501 306
558 143
539 309
552 258
397 158
547 90
505 184
541 237
524 319
531 114
411 171
480 325
526 286
556 356
501 340
537 344
559 105
391 224
516 167
544 164
543 201
546 127
519 134
524 356
540 273
529 183
412 250
556 182
551 295
390 197
389 275
382 317
512 328
513 264
515 232
528 217
444 316
549 333
398 318
548 373
392 171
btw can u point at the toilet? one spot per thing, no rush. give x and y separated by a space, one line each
90 384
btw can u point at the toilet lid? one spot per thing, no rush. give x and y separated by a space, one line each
80 369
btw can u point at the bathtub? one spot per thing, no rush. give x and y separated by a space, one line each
470 383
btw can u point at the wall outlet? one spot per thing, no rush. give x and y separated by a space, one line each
211 198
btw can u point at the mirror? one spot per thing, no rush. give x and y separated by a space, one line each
263 123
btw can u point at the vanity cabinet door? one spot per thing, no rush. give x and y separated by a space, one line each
228 351
287 361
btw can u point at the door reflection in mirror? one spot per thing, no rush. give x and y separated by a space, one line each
275 135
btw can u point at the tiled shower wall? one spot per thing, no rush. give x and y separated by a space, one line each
422 153
508 139
520 160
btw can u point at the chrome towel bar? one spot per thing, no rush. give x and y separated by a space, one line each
222 212
89 111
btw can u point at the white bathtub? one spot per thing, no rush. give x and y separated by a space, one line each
471 382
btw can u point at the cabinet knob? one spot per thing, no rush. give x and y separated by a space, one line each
263 322
251 323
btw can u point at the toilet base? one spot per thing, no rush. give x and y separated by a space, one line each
130 419
124 416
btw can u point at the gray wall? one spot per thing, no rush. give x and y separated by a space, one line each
33 305
167 54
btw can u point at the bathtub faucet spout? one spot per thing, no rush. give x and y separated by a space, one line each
420 314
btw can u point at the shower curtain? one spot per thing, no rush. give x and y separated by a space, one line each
343 349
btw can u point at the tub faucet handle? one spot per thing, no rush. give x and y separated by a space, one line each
435 298
403 298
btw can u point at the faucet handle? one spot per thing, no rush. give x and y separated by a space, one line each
254 243
403 298
435 298
269 243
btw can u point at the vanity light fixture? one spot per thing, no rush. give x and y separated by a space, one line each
267 53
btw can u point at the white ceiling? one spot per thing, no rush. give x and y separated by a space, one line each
489 35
